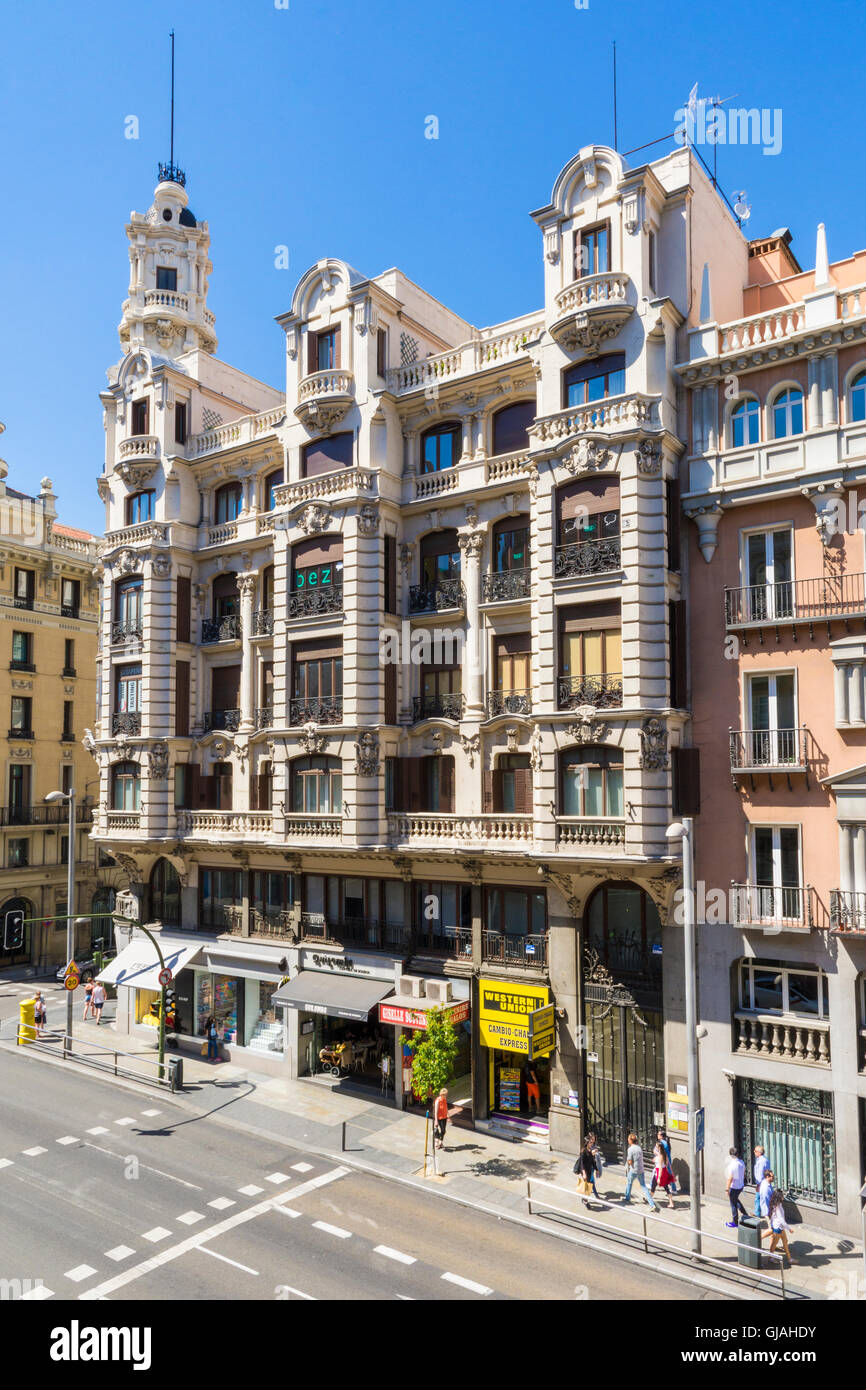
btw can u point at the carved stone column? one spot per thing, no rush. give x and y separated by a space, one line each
247 589
470 543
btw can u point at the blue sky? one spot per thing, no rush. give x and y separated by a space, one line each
305 126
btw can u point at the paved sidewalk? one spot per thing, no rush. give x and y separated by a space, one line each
475 1167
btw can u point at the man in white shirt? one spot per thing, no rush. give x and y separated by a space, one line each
735 1173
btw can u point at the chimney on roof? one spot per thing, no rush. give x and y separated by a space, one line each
822 264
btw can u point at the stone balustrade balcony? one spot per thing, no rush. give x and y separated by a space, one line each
500 831
592 309
248 429
237 825
590 832
492 348
139 447
324 398
782 1038
612 415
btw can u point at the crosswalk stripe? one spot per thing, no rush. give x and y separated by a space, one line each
467 1283
332 1230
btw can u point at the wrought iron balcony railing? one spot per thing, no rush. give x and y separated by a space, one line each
505 584
227 719
436 598
20 733
509 702
22 602
444 941
44 815
264 717
797 601
356 931
126 723
312 603
323 709
27 666
587 557
605 692
226 629
170 173
69 610
126 630
448 706
847 911
263 623
762 905
765 750
514 950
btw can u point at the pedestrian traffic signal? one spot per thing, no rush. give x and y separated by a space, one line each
13 930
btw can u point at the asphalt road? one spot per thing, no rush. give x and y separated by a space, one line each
108 1193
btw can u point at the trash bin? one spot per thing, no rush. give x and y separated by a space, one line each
749 1242
175 1073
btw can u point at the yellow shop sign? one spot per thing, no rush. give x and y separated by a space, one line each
503 1014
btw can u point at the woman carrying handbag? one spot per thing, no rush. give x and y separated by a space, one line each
662 1175
585 1169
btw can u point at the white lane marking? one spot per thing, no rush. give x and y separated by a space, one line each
405 1298
120 1252
278 1177
302 1167
39 1292
250 1190
32 1153
157 1233
289 1211
196 1187
150 1113
394 1254
67 1139
5 1162
332 1230
79 1272
220 1203
189 1218
288 1288
204 1250
174 1252
127 1120
98 1129
467 1283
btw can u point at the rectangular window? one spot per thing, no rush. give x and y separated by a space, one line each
139 508
180 425
327 350
381 351
140 417
128 596
19 854
70 597
772 737
389 544
184 602
327 454
768 571
391 694
68 720
22 651
389 783
166 278
66 777
652 272
775 892
592 250
25 586
21 718
678 654
127 689
181 699
595 380
672 508
19 790
69 656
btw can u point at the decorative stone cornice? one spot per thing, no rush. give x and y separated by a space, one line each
587 728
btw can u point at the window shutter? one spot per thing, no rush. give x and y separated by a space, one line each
225 792
401 784
523 790
686 778
263 797
381 351
446 786
181 699
391 694
417 783
678 654
182 616
312 350
390 546
498 798
672 504
337 346
226 684
487 792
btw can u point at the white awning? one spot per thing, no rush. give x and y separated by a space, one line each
138 966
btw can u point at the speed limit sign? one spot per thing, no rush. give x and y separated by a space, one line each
164 977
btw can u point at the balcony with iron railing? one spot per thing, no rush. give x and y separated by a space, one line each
21 733
445 596
768 750
782 1038
504 586
43 815
227 629
322 709
830 598
316 603
358 932
763 905
590 832
69 610
587 558
449 705
503 948
263 623
454 943
126 630
848 912
127 722
509 702
22 601
264 717
27 666
225 720
273 924
603 691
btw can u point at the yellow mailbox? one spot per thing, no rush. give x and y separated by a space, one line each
26 1022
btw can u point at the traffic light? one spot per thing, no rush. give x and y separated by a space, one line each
13 930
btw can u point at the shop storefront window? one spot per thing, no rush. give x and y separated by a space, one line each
263 1031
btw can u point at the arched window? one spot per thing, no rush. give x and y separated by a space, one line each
227 503
623 927
590 781
101 923
788 413
857 398
164 894
17 905
139 507
317 786
125 787
440 448
511 427
272 481
745 423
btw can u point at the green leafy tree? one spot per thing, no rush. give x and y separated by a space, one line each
433 1054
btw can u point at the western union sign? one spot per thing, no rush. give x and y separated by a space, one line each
504 1013
542 1032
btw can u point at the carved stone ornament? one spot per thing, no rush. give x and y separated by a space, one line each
587 456
247 585
157 757
587 729
367 756
136 472
312 741
470 542
218 749
474 868
551 245
588 334
471 514
535 750
128 562
532 471
315 518
471 744
129 866
649 458
654 745
368 520
161 566
103 489
436 740
513 736
406 554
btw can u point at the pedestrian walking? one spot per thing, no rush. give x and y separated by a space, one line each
98 1001
88 998
39 1013
764 1193
662 1175
585 1168
440 1118
735 1175
759 1172
212 1033
778 1228
634 1166
664 1141
530 1079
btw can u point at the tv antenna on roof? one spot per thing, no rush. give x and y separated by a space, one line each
170 173
742 207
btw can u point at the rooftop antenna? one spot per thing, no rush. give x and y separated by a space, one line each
170 173
614 96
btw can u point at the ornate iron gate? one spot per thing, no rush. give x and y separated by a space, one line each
625 1087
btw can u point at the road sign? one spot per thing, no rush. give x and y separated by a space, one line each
72 968
164 976
699 1129
542 1031
72 982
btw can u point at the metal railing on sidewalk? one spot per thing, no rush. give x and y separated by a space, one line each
107 1059
649 1239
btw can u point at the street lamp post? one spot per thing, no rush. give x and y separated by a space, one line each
684 830
55 798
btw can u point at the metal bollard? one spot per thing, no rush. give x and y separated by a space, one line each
175 1073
